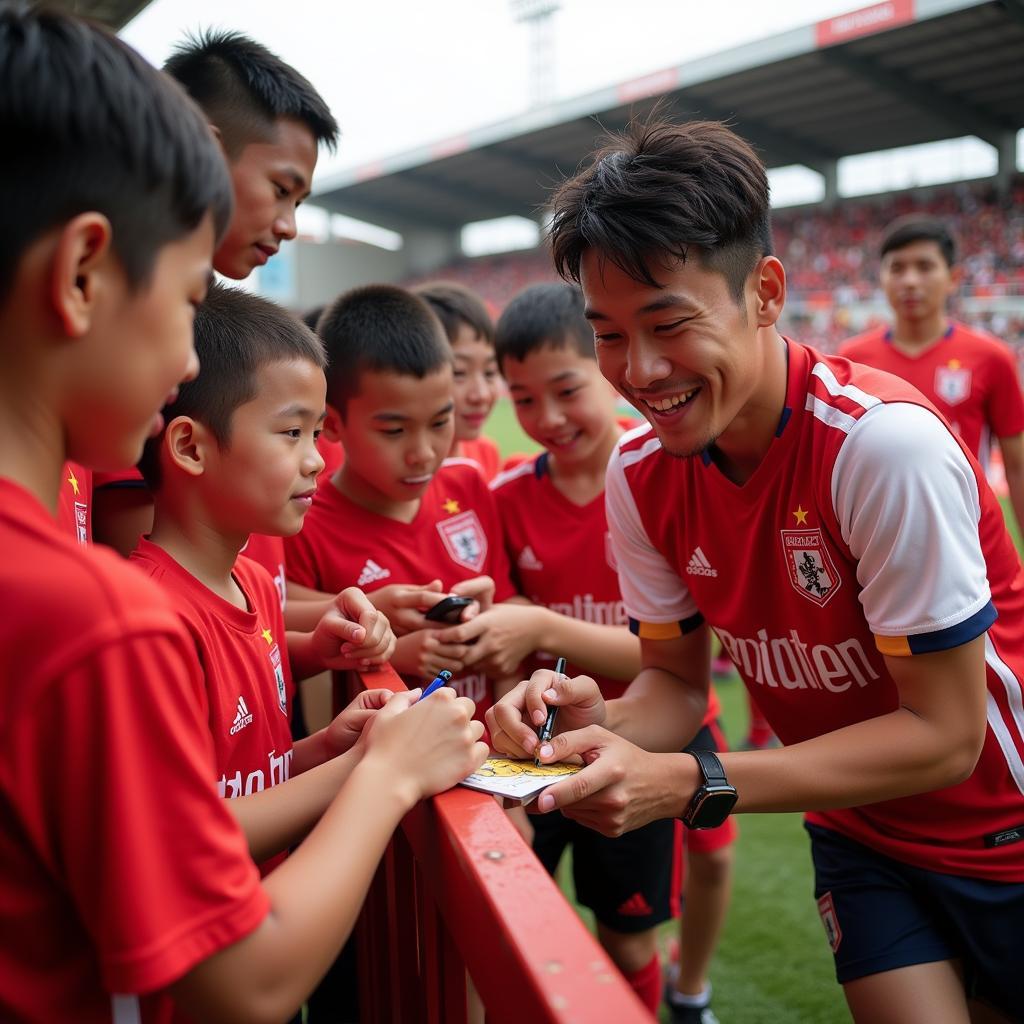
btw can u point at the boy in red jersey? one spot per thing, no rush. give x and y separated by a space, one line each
269 121
237 456
395 512
475 369
969 376
124 879
825 522
556 535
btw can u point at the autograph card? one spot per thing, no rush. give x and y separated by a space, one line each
516 781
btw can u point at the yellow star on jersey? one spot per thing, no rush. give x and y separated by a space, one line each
451 506
73 480
800 515
268 636
953 364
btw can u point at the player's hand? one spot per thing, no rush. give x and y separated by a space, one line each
429 745
513 722
500 638
348 726
353 633
481 589
425 654
621 787
404 604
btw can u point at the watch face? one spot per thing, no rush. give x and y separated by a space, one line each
710 807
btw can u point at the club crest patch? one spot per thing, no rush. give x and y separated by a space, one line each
953 383
282 692
809 566
464 540
827 910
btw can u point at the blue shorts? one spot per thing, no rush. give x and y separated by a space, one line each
880 914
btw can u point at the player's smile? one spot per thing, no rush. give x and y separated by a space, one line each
670 407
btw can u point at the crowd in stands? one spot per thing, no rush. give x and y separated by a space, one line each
831 259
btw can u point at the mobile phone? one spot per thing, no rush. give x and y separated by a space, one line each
448 609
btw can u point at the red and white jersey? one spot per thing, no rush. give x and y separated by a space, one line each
483 453
269 552
454 537
120 867
245 666
561 558
74 502
970 377
866 530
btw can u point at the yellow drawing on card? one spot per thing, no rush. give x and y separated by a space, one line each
519 781
504 767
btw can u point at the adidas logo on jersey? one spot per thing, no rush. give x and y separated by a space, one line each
699 564
371 573
635 906
243 717
528 560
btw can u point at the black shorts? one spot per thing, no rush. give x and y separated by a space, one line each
881 914
630 883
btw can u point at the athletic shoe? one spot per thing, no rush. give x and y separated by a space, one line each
691 1015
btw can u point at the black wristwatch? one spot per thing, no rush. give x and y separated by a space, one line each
714 798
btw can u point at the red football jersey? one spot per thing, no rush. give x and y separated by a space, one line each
483 452
866 530
73 502
120 868
269 552
561 557
245 666
970 377
455 536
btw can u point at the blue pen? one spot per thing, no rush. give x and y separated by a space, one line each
442 677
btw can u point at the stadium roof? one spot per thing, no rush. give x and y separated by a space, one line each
894 74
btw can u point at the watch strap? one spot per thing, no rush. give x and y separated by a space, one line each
710 767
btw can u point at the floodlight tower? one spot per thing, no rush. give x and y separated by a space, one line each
538 16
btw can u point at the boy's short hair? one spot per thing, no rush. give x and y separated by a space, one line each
90 126
660 189
454 304
384 329
544 316
236 334
244 88
917 228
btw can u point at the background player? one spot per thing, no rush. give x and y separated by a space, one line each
855 565
556 535
969 376
121 869
269 121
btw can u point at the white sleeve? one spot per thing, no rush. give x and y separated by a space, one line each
908 507
652 591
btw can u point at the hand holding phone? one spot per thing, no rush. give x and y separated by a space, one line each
448 609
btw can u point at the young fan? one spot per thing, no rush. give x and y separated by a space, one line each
124 877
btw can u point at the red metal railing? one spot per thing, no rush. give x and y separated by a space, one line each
459 890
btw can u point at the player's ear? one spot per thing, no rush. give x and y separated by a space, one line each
332 424
769 286
956 276
82 256
187 444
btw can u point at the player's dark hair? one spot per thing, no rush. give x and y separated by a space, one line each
244 88
89 125
384 329
916 228
544 316
455 305
236 335
658 193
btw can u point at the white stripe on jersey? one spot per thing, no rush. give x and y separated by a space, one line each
850 391
643 427
829 414
1000 728
523 469
639 454
125 1010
